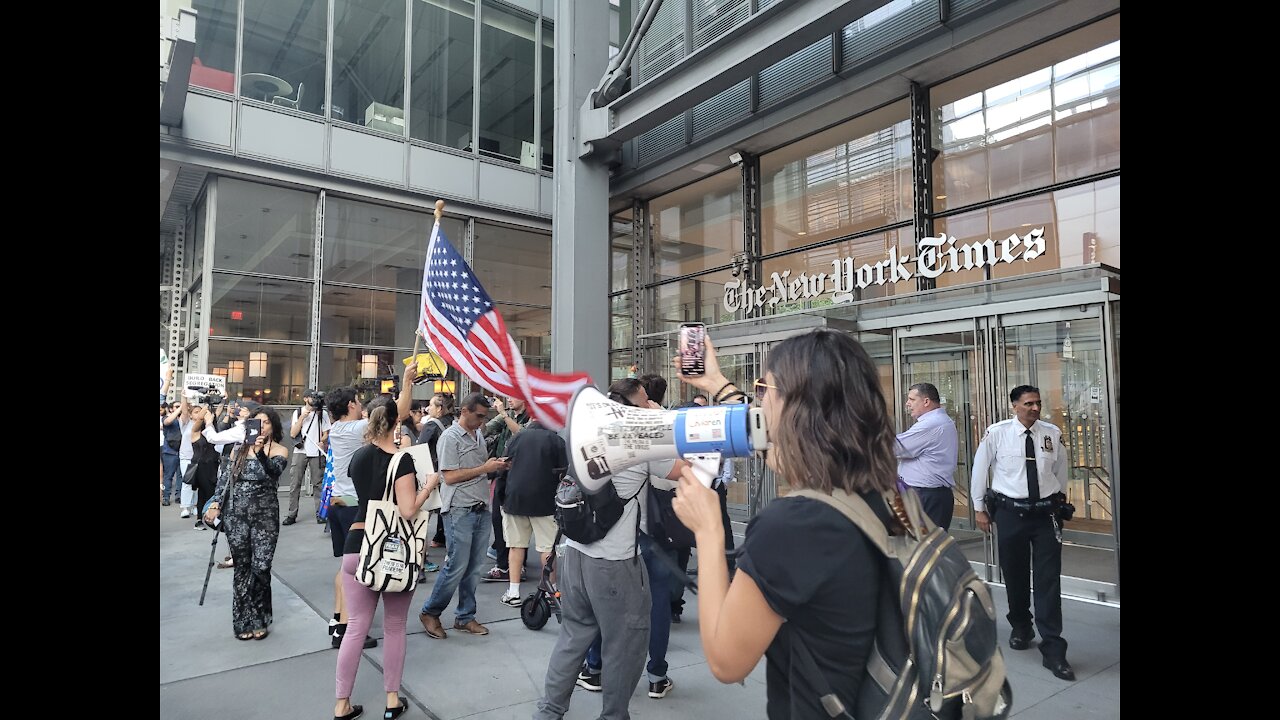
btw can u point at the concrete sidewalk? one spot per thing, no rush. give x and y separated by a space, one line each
205 672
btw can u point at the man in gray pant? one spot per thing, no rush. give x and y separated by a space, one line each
309 423
604 591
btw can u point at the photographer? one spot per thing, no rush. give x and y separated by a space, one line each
205 456
308 425
172 427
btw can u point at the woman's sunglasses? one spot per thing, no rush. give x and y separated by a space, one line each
761 388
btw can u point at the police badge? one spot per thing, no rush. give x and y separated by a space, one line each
1048 444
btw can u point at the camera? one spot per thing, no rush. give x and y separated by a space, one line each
317 401
201 395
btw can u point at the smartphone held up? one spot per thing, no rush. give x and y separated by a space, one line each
693 349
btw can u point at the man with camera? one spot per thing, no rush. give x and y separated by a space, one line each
308 424
1027 465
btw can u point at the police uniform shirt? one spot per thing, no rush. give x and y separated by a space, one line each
1003 451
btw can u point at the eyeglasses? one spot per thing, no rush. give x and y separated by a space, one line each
761 388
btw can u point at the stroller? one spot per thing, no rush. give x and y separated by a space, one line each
536 609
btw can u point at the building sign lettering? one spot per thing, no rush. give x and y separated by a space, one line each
937 255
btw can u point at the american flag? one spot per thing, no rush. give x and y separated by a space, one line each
462 326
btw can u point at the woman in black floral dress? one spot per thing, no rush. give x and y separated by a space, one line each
253 523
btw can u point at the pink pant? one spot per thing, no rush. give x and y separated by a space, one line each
361 602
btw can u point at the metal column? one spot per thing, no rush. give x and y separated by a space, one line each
922 171
580 229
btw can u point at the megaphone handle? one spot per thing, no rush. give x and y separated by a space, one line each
705 466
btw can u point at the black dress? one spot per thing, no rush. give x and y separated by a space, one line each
252 523
206 459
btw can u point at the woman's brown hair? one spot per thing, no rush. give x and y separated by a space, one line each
834 429
382 418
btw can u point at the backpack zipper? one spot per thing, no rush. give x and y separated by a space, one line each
938 692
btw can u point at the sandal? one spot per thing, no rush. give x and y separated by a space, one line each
245 636
260 633
228 562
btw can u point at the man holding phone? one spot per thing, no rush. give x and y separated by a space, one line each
465 467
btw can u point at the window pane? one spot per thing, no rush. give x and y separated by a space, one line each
340 367
506 86
376 245
368 62
264 229
257 308
693 300
284 53
442 75
1040 117
870 250
622 265
1081 227
620 322
214 65
698 227
513 265
851 178
356 316
286 371
548 94
531 329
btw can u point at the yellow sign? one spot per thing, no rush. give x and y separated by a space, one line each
430 367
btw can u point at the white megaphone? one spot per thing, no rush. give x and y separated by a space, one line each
605 437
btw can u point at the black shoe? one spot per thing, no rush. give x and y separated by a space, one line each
1061 669
1021 639
675 618
356 711
289 520
395 712
369 642
659 690
589 681
320 520
165 502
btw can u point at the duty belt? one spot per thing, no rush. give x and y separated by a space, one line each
1041 506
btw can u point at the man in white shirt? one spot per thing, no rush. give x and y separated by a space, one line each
1027 465
927 453
309 423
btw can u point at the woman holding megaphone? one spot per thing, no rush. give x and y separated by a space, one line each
828 428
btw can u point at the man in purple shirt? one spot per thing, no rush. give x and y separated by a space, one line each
927 453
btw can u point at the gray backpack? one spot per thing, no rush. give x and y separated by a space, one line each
935 653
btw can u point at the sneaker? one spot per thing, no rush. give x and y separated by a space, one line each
200 525
589 681
659 690
186 513
369 642
165 502
491 553
496 574
513 600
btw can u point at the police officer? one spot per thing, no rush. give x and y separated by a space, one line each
1028 466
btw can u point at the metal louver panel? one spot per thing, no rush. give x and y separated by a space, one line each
731 104
713 17
663 45
796 72
961 7
885 26
659 141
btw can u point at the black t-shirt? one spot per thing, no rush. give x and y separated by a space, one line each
535 454
817 570
431 432
368 473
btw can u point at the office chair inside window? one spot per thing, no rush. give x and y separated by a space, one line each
286 102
